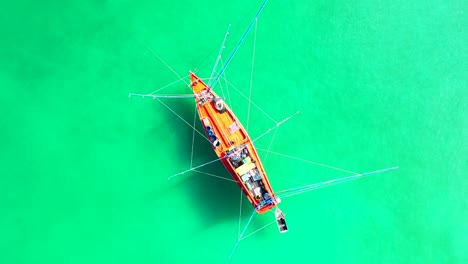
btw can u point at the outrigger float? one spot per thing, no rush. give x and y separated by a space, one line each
234 147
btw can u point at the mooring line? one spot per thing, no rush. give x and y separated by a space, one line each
175 113
276 126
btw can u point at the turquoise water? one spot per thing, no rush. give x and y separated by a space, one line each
378 83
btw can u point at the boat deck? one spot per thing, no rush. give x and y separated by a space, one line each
233 145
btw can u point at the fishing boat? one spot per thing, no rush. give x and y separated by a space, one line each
235 149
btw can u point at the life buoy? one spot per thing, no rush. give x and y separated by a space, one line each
220 105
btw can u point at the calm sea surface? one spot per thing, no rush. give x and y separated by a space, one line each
84 168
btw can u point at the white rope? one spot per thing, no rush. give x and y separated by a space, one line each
167 96
240 215
222 89
276 126
172 83
227 87
165 63
307 161
195 168
251 73
272 222
310 187
251 101
219 54
269 146
213 175
243 231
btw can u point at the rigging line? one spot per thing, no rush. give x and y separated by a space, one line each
240 237
164 62
310 187
174 112
248 223
258 107
240 215
251 73
219 54
194 168
172 83
203 62
193 135
307 161
214 175
276 126
167 96
267 154
239 43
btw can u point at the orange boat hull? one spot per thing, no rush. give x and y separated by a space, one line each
233 146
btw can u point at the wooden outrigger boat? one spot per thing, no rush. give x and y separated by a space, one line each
235 149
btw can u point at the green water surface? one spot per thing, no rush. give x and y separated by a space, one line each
83 167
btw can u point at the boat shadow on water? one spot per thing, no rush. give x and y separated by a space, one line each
216 200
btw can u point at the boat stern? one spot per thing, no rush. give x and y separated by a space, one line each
280 221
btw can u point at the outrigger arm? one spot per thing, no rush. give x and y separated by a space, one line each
212 85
